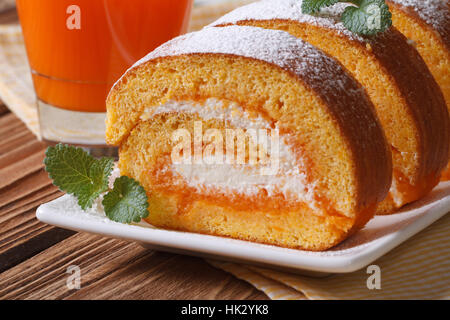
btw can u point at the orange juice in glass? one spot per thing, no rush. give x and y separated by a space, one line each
77 49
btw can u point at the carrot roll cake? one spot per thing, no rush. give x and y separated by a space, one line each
427 24
407 99
252 134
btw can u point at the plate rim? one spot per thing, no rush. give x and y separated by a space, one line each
241 249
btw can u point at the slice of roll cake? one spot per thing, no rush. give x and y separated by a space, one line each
408 101
427 24
330 164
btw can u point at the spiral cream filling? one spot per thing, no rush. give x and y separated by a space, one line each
280 173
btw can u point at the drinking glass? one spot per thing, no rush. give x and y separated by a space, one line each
77 49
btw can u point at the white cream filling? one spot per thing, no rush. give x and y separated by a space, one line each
211 109
246 179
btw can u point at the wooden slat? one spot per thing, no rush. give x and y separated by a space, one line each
23 187
20 225
114 269
8 17
30 201
18 139
20 152
14 134
42 239
3 109
20 228
9 124
9 119
21 168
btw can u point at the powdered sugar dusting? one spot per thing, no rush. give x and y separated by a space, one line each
272 46
289 10
320 71
346 99
433 12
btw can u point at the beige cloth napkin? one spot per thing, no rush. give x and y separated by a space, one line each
417 269
420 268
16 87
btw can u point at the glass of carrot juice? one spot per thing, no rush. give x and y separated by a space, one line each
77 49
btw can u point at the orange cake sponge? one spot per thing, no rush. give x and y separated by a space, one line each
407 99
427 24
334 163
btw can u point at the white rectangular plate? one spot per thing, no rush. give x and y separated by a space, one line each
381 234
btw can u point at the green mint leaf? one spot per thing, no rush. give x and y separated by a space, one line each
314 6
127 202
366 17
74 171
370 18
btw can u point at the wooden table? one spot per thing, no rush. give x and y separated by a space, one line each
34 257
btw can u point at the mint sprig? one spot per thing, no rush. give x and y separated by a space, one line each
366 18
76 172
370 18
314 6
126 201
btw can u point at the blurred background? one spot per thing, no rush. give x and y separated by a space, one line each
206 10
